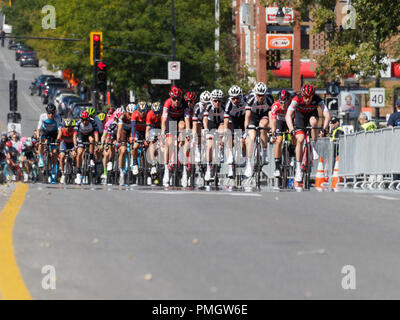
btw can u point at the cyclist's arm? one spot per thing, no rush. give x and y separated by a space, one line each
327 119
120 125
148 128
75 137
59 135
205 122
133 128
289 119
247 119
273 124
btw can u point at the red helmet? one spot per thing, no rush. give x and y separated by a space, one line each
84 115
190 96
9 144
110 110
175 92
284 95
307 90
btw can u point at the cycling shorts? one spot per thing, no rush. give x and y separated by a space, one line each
302 120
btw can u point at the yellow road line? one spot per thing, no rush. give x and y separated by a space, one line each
12 286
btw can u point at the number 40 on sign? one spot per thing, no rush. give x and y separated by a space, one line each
377 97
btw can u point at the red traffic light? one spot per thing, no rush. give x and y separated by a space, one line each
101 65
96 38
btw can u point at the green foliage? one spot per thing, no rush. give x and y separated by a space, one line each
134 25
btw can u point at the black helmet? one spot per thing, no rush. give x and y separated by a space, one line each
51 108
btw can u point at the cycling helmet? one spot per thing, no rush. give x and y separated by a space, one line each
175 92
205 96
91 111
217 94
156 107
9 144
110 110
142 106
130 108
51 108
84 115
28 142
101 116
260 88
121 109
307 90
235 91
67 123
190 96
284 95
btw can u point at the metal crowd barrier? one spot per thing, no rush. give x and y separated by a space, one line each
371 159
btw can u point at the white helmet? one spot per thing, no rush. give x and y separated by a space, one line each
205 96
121 109
235 91
260 88
130 108
217 94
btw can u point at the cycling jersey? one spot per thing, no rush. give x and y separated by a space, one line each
298 104
47 125
112 129
153 120
235 113
67 135
125 120
259 110
214 115
86 130
99 124
178 113
199 110
278 111
138 122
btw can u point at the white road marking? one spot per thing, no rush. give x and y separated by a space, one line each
31 103
204 193
387 198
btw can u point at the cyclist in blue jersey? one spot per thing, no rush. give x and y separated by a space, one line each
47 131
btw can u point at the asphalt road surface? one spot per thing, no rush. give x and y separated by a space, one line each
132 243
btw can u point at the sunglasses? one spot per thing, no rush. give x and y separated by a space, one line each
236 98
175 99
51 113
260 95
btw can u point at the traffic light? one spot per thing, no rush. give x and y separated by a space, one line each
96 46
333 88
101 75
13 95
273 59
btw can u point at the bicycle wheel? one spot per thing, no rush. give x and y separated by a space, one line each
307 167
285 165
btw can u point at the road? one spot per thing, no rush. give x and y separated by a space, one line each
145 243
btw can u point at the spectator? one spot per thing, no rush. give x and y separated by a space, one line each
336 128
394 119
365 124
83 90
17 144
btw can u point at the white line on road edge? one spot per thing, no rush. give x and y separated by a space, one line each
204 193
387 198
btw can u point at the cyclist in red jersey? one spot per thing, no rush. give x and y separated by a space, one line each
279 126
66 137
174 112
190 98
153 128
138 131
304 107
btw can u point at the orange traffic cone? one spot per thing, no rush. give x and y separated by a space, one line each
319 178
335 178
326 172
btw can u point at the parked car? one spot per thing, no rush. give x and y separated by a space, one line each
29 59
49 88
12 43
76 109
57 91
37 84
63 102
21 50
61 92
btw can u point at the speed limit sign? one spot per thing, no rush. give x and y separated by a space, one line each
174 70
377 97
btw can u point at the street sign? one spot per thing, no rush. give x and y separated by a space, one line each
277 41
174 70
160 81
332 104
377 97
272 11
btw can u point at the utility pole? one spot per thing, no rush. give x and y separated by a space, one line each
217 34
173 33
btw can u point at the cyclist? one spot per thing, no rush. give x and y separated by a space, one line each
138 133
109 140
258 105
199 109
213 119
123 134
28 157
304 107
92 115
12 155
279 127
153 127
190 99
85 131
66 137
47 130
235 108
174 112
